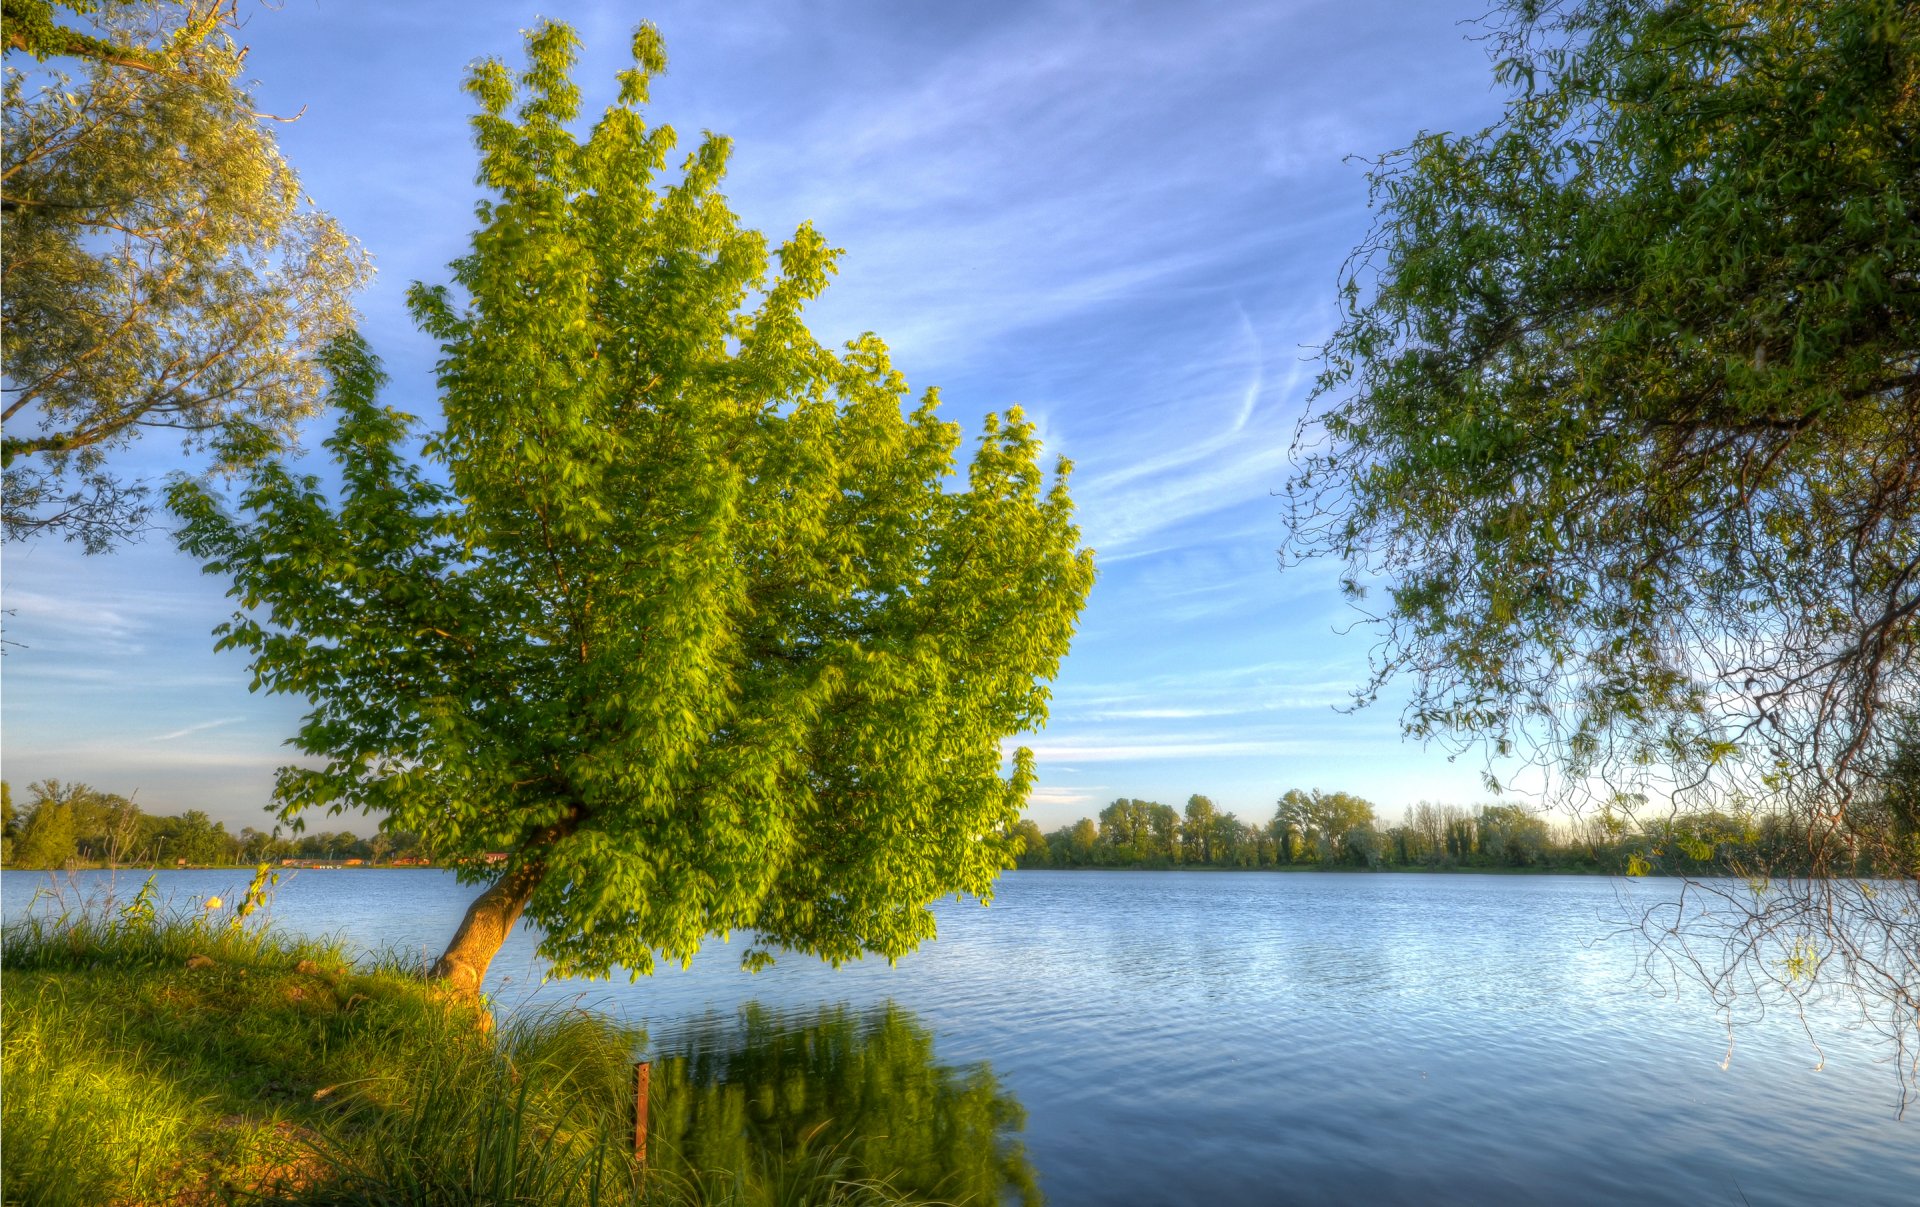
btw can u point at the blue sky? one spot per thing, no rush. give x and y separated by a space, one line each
1127 218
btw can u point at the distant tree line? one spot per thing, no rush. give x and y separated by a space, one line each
62 824
1313 828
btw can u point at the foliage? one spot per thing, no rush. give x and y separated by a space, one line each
1029 842
1633 396
1328 823
82 826
197 839
159 268
1314 829
1139 831
1513 835
1080 842
693 630
35 27
1892 807
48 829
1623 416
1197 829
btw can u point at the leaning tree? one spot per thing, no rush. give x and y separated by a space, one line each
1623 418
682 613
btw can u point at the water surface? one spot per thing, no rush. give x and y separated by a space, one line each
1220 1038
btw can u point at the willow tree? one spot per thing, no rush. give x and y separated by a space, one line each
681 615
1624 416
159 268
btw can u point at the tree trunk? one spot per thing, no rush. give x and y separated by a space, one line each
488 922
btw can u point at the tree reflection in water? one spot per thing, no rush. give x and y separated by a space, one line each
788 1094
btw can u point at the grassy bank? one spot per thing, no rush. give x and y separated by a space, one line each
187 1060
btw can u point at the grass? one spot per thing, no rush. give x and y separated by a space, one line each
154 1057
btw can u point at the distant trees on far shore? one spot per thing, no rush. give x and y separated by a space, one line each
62 824
1312 828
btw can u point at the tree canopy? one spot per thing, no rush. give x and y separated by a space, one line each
1624 415
679 613
159 269
1322 819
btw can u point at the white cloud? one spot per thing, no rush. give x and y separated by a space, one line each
1096 750
105 757
1162 714
104 622
202 727
1049 797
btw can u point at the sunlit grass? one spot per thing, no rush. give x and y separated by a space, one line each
84 1123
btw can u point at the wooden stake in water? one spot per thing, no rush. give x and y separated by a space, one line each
642 1074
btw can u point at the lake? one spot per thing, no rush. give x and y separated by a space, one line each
1222 1038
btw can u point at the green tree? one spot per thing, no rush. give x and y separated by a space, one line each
1511 835
1623 415
1891 821
1081 840
158 267
1404 843
1323 820
1360 846
693 631
46 838
106 826
1163 833
1123 826
1427 823
35 27
1196 830
193 837
1030 845
1139 831
255 846
1461 840
1286 838
1230 842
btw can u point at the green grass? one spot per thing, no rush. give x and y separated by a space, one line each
167 1059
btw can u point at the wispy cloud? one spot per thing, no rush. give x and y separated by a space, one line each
106 622
202 727
1097 750
1161 714
104 758
1045 797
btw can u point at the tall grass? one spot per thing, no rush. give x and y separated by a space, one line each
532 1114
541 1113
93 1111
81 1125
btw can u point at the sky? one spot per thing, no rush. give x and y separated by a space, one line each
1127 218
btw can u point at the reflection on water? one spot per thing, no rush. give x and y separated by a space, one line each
770 1090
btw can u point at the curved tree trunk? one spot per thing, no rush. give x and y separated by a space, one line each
488 922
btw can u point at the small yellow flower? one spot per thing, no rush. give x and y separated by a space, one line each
213 903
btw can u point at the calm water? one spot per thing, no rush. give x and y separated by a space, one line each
1219 1038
